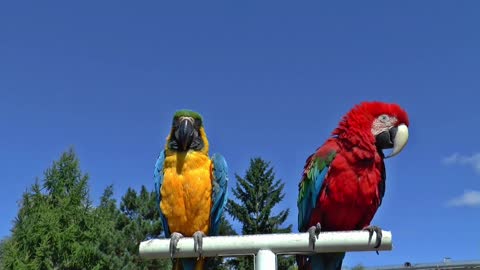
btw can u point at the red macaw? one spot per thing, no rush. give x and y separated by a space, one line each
343 182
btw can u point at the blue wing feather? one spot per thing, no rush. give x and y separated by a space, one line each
311 187
158 179
219 191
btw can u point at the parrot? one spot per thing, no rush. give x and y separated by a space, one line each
342 184
190 186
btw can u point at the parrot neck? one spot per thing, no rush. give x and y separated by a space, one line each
356 138
360 144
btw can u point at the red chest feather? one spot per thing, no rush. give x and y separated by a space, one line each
351 194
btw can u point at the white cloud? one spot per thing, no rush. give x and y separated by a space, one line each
469 160
468 198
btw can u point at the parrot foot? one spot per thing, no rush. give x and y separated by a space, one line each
198 243
174 237
313 233
378 231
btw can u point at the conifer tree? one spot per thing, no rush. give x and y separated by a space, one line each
53 228
140 221
257 193
57 227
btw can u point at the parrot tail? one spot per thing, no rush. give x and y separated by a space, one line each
326 261
189 264
302 262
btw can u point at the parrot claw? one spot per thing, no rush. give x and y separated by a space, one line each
313 233
198 243
174 237
378 232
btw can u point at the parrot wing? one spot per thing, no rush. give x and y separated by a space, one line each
158 178
311 185
219 191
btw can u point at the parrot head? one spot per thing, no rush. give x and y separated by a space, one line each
386 123
187 132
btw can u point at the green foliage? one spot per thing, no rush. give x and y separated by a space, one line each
58 228
258 193
53 226
140 220
3 243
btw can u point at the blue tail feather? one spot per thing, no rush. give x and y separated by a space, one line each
188 263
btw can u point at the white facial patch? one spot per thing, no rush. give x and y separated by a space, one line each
190 119
383 123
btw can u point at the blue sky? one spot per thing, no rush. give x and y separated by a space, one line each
271 78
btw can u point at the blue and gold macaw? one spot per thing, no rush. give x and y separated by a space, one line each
191 187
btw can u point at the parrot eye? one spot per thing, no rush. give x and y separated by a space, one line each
384 118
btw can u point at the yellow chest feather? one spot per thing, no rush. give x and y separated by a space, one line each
187 192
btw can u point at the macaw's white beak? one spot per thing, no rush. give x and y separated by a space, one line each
400 140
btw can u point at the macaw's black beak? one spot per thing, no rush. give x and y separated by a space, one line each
384 140
395 137
185 134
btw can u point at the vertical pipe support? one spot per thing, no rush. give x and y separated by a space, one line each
265 259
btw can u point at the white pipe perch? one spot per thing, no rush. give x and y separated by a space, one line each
289 243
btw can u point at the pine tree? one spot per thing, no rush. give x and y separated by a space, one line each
140 221
57 227
110 240
258 193
53 227
3 243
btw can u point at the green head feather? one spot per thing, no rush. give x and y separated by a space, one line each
188 113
